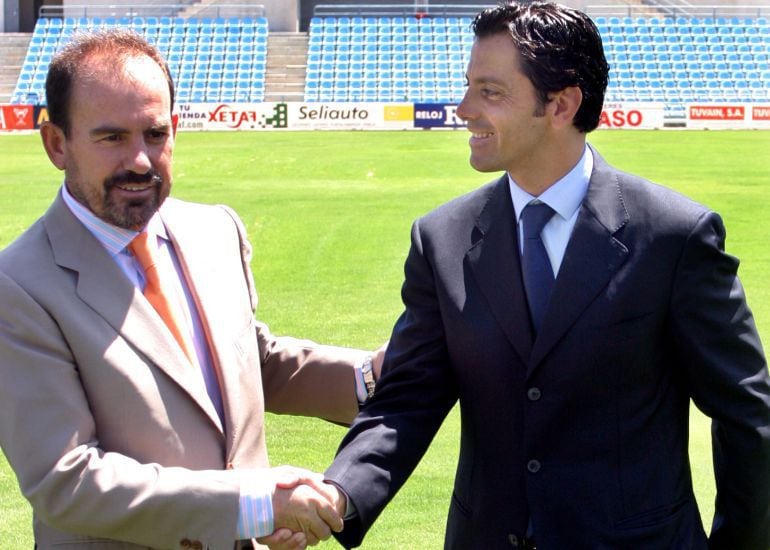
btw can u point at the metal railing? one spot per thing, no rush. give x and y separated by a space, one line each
395 10
677 8
645 8
192 8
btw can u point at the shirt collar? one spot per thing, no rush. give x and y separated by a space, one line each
564 196
114 239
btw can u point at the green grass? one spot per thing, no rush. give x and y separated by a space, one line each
329 214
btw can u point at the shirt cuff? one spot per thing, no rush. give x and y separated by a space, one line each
255 510
361 393
350 508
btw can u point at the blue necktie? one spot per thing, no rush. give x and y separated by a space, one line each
535 265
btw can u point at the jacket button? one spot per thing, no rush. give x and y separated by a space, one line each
534 394
533 466
185 543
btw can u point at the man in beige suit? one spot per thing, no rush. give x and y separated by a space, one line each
119 438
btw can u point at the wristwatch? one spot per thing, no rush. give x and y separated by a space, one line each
368 373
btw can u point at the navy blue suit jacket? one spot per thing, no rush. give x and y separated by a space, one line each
585 428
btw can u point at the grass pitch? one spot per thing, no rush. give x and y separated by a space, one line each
329 214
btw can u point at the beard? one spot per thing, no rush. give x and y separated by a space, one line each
113 207
133 213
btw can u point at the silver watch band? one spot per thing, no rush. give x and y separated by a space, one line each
366 370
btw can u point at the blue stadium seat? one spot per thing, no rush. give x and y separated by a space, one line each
436 50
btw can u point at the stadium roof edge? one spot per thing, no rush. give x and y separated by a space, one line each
152 10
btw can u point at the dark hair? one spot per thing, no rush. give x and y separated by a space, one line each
559 47
114 44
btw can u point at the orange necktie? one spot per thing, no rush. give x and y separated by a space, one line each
157 291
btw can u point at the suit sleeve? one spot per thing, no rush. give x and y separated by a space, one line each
412 398
718 345
301 377
49 436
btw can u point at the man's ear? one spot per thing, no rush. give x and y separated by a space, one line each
565 104
54 143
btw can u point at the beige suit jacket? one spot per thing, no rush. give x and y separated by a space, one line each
107 426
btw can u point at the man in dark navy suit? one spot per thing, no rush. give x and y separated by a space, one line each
573 348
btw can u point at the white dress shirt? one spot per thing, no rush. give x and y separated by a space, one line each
565 197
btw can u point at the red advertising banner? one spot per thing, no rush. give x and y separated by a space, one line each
728 116
760 112
633 116
717 112
17 117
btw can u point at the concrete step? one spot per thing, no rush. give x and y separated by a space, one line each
296 72
282 83
279 79
288 89
284 96
286 66
288 58
13 50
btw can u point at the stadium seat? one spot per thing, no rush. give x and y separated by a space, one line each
425 59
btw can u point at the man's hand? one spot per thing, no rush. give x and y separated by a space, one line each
338 499
303 509
284 539
288 477
377 358
303 504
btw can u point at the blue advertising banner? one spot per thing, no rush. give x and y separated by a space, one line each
436 115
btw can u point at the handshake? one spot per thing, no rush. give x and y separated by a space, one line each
305 509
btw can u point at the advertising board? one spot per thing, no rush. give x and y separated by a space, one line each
230 116
350 116
17 117
437 115
294 116
402 116
632 116
614 115
728 115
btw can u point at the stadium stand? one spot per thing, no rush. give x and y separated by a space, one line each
674 60
211 59
387 58
671 60
686 59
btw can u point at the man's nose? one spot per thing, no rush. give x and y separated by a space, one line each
464 111
138 159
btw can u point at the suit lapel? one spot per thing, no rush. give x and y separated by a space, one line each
592 258
104 287
494 261
198 247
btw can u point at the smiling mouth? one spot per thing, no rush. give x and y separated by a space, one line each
478 139
134 187
134 183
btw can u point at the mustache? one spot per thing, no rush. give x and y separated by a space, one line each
151 176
